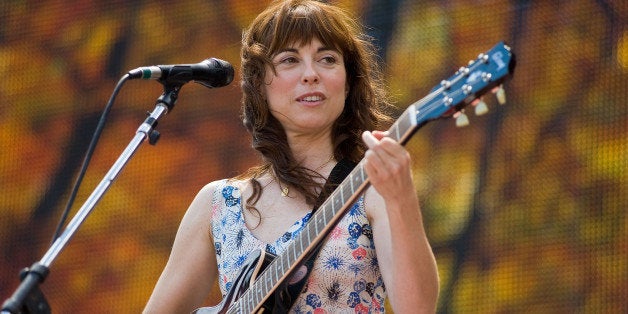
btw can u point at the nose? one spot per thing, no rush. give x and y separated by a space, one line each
310 75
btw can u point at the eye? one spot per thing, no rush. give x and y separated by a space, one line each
329 59
288 59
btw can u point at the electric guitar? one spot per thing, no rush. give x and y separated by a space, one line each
262 274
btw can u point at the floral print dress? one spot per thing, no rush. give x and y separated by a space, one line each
345 276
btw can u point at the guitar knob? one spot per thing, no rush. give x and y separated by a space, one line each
501 95
481 108
461 119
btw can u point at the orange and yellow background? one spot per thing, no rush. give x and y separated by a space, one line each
526 208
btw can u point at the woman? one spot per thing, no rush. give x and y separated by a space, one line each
311 93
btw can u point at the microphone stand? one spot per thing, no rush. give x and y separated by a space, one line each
28 298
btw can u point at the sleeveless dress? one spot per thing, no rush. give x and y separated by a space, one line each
345 276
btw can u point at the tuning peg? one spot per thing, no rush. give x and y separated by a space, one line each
461 119
501 95
481 108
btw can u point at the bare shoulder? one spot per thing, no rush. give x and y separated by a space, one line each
202 203
208 189
200 210
206 193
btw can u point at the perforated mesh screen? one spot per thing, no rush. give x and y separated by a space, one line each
525 208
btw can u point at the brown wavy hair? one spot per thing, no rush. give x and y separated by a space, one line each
367 105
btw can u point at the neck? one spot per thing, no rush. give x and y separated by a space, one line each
312 152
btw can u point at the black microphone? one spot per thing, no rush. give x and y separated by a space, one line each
211 72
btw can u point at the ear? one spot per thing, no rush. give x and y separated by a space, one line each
262 87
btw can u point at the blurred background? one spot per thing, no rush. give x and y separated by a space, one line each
526 208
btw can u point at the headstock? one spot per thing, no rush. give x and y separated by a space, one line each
468 85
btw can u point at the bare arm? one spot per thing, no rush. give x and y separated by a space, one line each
191 269
404 254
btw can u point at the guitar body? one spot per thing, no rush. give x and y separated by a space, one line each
256 262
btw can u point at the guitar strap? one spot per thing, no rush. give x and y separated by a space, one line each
288 291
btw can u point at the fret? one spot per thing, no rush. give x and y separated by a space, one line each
273 272
341 192
251 305
298 249
401 126
269 283
337 202
357 179
320 220
342 195
288 258
244 304
251 300
292 248
329 206
294 254
263 289
347 190
287 261
309 236
260 294
396 131
361 171
329 215
351 181
282 261
265 283
315 218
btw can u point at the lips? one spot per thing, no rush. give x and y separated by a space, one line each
311 97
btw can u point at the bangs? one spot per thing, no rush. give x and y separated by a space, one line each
301 23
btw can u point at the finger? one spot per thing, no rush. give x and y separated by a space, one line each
380 134
388 148
370 140
371 158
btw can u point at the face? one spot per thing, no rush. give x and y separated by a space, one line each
308 89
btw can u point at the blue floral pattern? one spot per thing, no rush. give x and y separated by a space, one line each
346 277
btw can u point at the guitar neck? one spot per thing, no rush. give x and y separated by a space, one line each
321 223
